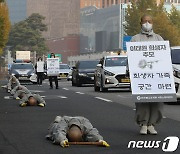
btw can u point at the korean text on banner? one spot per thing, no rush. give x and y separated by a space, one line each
151 71
40 66
52 66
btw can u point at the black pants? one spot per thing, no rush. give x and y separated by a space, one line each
39 77
51 78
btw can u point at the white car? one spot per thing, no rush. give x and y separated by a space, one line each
24 72
64 70
175 56
111 72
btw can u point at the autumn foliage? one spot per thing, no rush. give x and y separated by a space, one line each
4 25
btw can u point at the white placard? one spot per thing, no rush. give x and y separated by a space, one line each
151 71
23 55
40 66
52 66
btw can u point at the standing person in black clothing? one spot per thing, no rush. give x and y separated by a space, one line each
39 71
51 78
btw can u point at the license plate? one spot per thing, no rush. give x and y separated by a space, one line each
63 75
22 78
125 80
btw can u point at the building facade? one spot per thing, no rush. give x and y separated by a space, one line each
17 10
100 29
62 17
108 3
101 3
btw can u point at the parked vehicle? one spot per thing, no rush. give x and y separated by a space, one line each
83 72
64 70
111 72
23 72
175 56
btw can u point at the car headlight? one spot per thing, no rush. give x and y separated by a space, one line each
32 74
176 73
82 74
108 73
13 74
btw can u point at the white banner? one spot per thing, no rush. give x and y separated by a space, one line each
52 66
40 66
151 70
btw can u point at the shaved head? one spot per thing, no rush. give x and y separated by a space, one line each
32 101
74 134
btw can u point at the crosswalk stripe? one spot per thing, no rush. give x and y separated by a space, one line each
65 88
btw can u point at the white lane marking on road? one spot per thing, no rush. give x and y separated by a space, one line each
62 96
79 93
122 96
8 97
134 109
65 88
107 100
37 91
43 96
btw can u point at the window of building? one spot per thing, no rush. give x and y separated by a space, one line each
116 2
178 1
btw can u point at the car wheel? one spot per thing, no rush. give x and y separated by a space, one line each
96 88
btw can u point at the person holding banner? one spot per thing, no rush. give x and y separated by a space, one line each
148 114
39 71
53 76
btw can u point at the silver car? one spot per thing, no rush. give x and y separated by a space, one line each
175 56
24 72
111 72
64 70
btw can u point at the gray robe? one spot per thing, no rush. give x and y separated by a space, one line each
11 84
148 113
36 96
18 90
58 130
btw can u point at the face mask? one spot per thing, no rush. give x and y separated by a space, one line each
147 27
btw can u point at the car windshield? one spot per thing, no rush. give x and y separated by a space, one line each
116 61
64 67
175 56
22 66
88 64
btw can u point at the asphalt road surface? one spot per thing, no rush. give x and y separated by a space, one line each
23 129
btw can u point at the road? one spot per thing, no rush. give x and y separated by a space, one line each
23 130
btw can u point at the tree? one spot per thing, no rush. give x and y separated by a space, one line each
27 35
4 25
174 16
162 24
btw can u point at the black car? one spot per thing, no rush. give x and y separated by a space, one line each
83 72
23 72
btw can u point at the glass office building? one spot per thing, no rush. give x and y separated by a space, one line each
17 10
100 29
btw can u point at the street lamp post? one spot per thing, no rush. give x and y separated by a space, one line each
121 27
